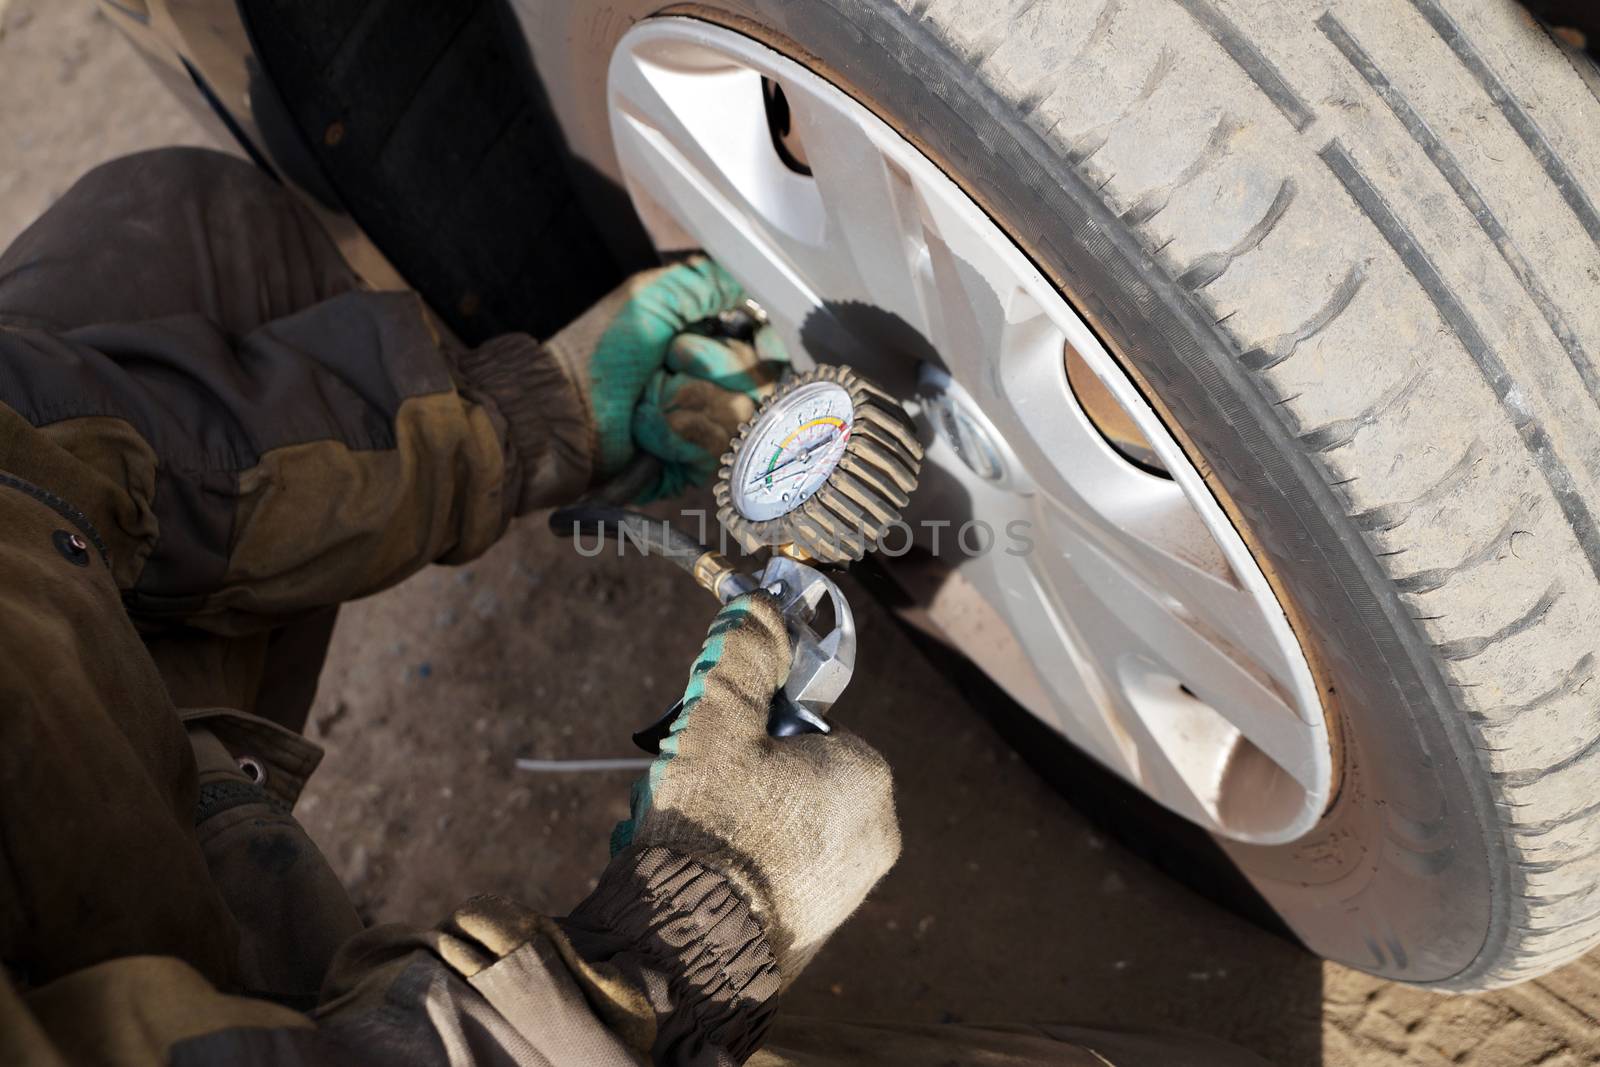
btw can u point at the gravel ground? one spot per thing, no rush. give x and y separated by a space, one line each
1006 906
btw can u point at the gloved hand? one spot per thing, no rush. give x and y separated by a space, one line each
651 386
802 826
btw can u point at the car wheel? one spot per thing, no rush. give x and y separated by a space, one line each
1276 324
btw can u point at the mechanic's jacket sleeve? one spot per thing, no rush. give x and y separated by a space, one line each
118 947
241 480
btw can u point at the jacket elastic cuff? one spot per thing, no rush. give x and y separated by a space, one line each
681 933
547 419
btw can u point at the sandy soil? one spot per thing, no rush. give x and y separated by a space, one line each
1007 904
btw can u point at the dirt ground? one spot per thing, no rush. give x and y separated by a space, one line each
1007 905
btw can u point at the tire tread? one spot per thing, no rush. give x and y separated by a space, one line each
1350 205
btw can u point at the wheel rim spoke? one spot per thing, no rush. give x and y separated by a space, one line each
1171 675
1065 662
1148 623
683 179
872 209
1220 606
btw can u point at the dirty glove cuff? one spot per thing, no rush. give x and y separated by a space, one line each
681 933
546 415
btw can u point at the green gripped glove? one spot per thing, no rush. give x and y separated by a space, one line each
651 386
803 827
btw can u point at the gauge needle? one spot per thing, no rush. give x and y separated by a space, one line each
801 458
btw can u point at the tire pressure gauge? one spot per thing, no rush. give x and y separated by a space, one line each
822 470
818 475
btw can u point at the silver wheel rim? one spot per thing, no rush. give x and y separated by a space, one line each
1138 624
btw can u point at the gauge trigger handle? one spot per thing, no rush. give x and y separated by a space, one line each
785 718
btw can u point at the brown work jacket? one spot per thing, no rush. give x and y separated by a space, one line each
211 435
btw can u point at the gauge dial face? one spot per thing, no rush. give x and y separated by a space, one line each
791 450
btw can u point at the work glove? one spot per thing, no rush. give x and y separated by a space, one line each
803 826
651 386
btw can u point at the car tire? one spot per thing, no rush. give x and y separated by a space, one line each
1351 256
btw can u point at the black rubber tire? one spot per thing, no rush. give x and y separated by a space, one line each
1370 333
